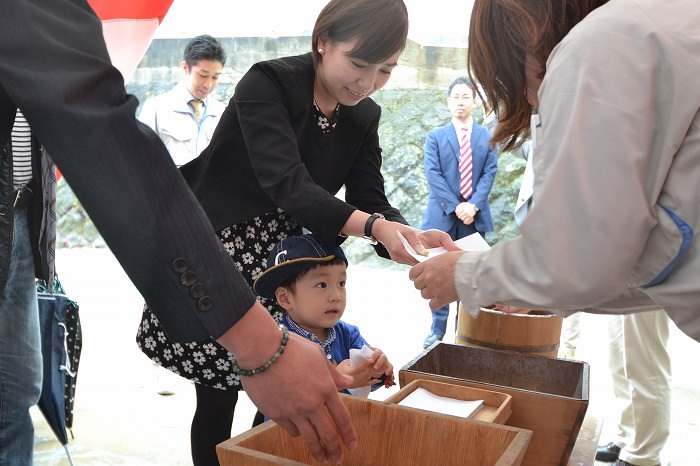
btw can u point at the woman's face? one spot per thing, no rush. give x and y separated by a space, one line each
345 79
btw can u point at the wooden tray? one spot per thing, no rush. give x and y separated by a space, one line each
549 395
496 406
388 435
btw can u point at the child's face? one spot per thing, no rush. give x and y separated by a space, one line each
318 300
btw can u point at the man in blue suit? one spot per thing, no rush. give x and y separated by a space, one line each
458 204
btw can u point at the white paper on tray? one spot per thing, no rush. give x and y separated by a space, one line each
421 398
473 242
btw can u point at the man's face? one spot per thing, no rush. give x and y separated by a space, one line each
201 78
461 102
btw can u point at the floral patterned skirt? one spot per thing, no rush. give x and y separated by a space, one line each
207 362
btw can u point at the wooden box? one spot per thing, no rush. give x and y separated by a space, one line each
549 395
496 406
388 435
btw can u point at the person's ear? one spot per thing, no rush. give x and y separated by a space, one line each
282 295
323 43
185 67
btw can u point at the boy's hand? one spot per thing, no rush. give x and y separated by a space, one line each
382 370
370 371
359 372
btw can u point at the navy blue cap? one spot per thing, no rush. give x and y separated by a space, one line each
291 256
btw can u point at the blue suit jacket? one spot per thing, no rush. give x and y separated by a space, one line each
442 172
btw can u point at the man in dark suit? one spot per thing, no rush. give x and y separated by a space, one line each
460 167
54 66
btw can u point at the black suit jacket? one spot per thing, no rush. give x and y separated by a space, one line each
268 152
55 67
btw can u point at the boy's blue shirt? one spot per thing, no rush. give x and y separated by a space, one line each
341 338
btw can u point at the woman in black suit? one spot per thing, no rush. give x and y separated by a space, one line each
296 131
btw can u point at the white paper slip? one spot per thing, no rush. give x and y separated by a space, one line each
473 242
356 357
420 398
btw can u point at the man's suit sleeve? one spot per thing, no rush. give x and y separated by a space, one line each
435 172
76 104
480 197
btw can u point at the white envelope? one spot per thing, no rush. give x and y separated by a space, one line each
473 242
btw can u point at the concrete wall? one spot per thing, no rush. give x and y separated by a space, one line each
419 67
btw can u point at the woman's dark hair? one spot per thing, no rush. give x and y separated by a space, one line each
380 27
501 32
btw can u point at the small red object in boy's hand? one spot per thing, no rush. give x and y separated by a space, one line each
387 381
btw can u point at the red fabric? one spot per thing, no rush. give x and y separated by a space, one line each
130 9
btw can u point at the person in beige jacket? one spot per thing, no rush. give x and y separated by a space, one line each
616 204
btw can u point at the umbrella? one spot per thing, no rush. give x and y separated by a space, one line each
60 349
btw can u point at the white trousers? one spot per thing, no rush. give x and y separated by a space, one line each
641 369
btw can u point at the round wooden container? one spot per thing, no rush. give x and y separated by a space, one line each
525 331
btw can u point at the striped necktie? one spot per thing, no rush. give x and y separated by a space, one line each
465 165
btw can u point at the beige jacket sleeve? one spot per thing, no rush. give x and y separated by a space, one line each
618 108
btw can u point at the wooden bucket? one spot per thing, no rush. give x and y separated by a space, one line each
525 331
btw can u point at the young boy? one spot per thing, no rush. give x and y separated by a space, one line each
308 280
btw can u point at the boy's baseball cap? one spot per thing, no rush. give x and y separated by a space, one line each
291 256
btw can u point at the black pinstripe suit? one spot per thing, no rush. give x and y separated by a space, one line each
55 67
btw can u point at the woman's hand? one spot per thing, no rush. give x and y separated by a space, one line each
386 232
435 278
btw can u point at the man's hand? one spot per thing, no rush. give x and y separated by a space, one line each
466 212
435 278
298 391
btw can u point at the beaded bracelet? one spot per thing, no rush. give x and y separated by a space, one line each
249 373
